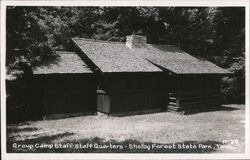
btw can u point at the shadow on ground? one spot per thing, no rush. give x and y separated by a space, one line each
212 109
227 108
194 111
126 114
98 145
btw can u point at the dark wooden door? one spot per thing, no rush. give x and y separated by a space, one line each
103 102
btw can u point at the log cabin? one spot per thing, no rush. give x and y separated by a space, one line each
122 77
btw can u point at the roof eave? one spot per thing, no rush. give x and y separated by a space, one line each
92 65
219 74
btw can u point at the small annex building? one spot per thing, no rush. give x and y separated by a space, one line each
117 77
64 84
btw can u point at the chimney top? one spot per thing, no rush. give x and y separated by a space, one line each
136 41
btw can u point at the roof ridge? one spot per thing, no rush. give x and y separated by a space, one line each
166 45
107 41
97 40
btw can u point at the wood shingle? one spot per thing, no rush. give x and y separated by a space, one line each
64 62
117 57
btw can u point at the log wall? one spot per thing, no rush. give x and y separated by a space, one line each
194 93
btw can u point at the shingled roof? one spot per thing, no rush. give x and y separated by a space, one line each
114 56
117 57
64 62
178 61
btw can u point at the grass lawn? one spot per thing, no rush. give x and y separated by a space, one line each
220 131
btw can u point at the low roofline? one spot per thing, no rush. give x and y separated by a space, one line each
134 72
63 63
171 72
52 74
221 74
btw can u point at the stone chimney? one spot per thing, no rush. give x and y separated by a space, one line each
136 41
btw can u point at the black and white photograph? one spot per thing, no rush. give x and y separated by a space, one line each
124 80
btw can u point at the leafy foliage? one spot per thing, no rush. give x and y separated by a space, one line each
214 33
26 39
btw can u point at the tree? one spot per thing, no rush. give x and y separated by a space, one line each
25 38
213 33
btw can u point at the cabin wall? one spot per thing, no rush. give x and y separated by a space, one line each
135 92
37 99
195 92
64 94
122 93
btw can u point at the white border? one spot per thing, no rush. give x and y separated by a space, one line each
196 3
126 3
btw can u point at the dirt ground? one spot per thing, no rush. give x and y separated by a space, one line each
221 131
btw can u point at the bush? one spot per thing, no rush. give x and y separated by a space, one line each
233 89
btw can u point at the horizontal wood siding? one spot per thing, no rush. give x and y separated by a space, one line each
194 94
